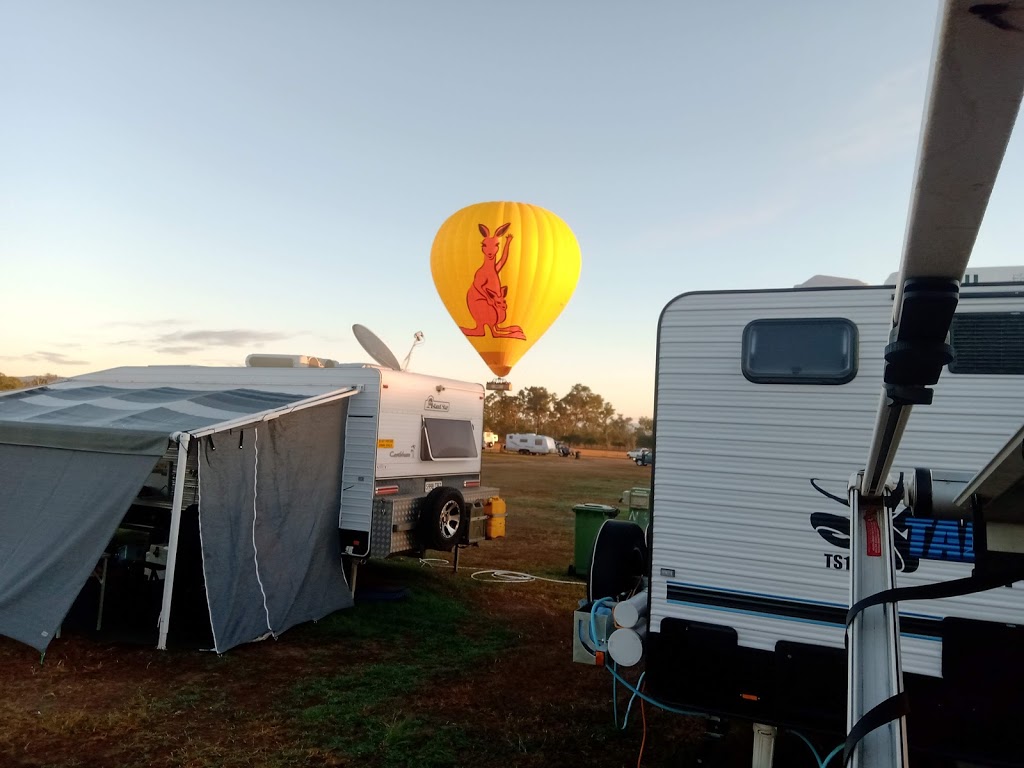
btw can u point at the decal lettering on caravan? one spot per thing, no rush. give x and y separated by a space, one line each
941 540
436 405
915 539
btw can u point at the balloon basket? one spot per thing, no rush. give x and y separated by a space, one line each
499 385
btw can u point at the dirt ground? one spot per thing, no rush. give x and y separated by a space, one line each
96 702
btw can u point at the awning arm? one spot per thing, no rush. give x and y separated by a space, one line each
977 79
172 544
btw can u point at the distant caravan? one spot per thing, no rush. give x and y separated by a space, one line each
530 442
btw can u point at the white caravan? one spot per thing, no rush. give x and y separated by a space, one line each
763 406
530 442
410 440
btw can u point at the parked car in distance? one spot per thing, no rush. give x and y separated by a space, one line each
637 453
646 459
563 449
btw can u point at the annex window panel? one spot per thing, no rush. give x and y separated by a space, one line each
821 350
987 343
448 439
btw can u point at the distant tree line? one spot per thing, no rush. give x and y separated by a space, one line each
581 417
19 382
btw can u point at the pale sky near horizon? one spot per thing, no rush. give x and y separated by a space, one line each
186 183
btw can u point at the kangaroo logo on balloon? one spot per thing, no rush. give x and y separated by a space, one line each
487 297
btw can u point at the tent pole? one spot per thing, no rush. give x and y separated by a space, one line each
172 543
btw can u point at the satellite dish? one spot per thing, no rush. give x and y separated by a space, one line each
375 348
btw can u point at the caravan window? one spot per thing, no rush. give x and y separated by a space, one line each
821 350
448 439
987 343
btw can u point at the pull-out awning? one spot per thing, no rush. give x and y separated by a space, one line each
74 455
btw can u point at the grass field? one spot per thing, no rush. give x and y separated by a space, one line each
462 672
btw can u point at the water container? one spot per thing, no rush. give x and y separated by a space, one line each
495 510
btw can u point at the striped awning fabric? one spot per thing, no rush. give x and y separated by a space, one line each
131 418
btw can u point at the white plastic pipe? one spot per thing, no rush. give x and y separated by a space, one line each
626 646
628 612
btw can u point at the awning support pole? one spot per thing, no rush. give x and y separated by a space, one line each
172 544
874 670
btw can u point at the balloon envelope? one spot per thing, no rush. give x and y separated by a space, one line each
504 271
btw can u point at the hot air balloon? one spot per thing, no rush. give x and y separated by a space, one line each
504 271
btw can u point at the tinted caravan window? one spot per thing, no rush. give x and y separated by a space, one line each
987 343
448 439
800 351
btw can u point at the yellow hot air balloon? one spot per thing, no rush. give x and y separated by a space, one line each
504 271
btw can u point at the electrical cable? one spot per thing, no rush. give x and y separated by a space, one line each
615 702
828 758
639 684
823 492
643 739
516 577
655 702
499 576
433 562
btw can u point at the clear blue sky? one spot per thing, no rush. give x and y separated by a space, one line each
189 182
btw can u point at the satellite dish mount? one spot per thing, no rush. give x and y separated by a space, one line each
417 339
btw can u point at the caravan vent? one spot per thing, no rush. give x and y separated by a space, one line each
987 343
288 361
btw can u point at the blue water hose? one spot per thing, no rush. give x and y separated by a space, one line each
828 758
617 678
622 680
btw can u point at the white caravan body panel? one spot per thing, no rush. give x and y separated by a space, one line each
732 498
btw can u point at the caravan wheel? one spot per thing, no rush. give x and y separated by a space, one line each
441 518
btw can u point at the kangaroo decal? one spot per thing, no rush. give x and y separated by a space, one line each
486 297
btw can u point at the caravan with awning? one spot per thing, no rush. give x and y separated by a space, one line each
276 473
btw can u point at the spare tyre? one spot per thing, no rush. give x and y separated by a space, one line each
619 562
443 518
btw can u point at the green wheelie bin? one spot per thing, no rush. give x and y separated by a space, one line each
589 518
